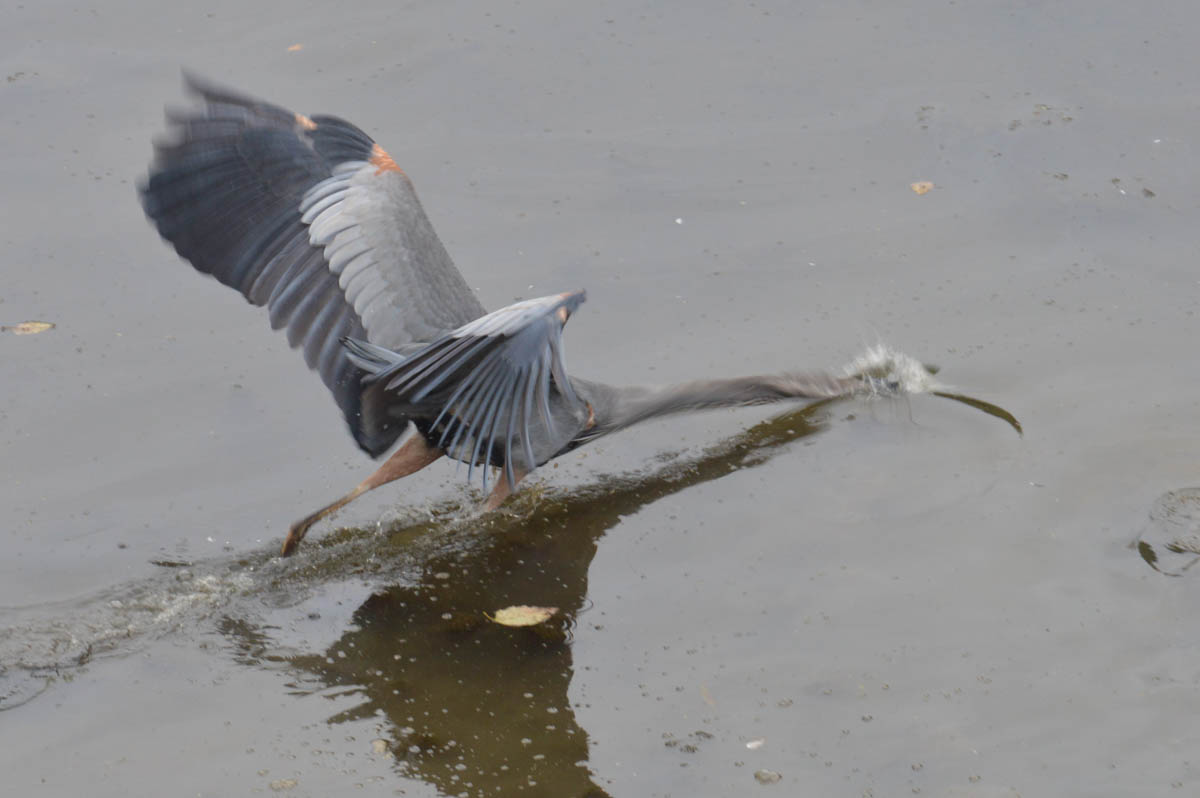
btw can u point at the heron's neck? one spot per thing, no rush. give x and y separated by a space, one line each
629 406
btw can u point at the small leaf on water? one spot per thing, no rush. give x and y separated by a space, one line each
522 615
28 327
295 48
921 187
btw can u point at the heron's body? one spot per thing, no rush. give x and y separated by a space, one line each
311 218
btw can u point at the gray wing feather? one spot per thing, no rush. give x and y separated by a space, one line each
488 385
309 217
398 278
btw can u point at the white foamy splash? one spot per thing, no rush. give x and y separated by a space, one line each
892 372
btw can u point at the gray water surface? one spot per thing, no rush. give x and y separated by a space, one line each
881 597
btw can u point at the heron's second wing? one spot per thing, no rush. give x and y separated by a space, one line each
488 385
311 218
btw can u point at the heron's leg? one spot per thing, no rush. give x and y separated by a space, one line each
413 455
502 491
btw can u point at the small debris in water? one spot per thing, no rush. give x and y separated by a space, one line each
698 736
767 776
921 187
521 615
279 785
28 327
171 563
756 743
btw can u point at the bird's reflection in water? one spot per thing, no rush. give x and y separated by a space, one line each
476 708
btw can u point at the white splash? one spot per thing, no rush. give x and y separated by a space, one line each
892 372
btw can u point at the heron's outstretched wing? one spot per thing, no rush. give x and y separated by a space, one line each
487 384
311 218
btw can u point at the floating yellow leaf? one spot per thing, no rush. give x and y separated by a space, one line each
28 327
922 187
295 48
522 615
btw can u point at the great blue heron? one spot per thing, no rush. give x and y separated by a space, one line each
312 218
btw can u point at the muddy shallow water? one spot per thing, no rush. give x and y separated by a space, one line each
861 598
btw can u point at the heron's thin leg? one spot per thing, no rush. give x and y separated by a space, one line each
413 455
502 491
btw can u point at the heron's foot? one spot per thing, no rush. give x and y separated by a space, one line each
501 492
297 532
491 503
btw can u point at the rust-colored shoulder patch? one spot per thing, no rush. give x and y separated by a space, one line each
305 123
591 421
382 161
